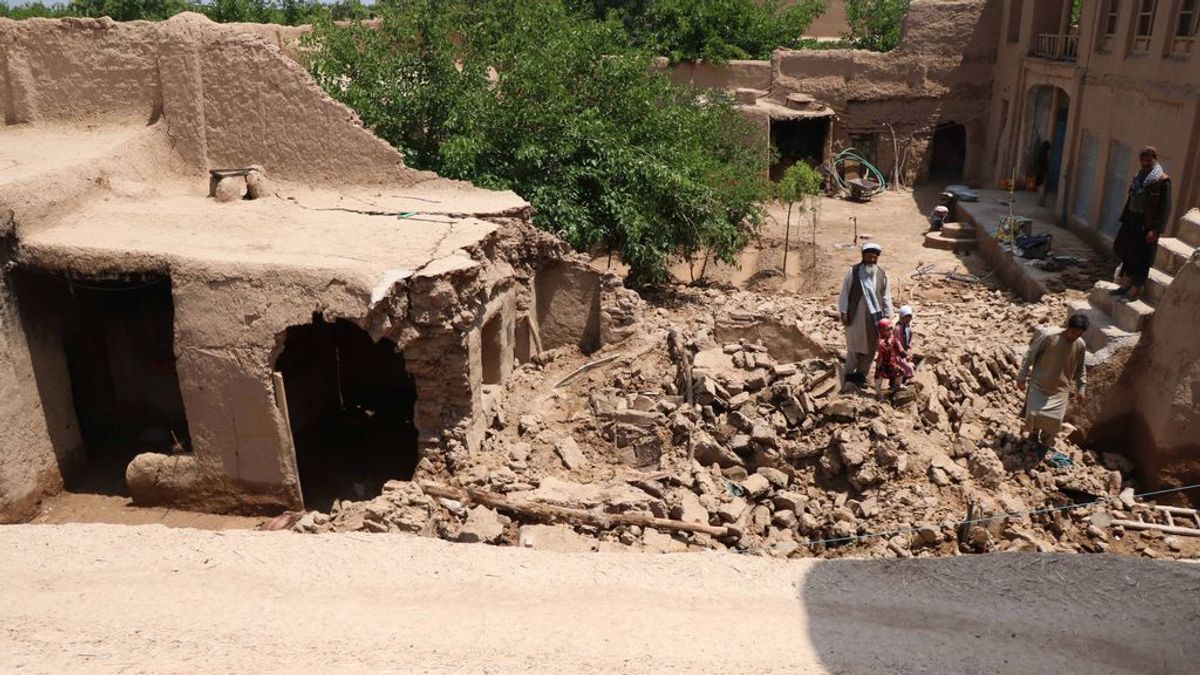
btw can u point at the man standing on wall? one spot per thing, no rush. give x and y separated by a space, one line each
1053 361
1143 220
866 298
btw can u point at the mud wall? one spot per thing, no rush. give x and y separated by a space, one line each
731 75
1151 409
831 23
940 74
228 96
28 464
230 328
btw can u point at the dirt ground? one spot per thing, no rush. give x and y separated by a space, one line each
895 220
70 507
103 599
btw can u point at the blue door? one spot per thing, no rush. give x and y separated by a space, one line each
1056 150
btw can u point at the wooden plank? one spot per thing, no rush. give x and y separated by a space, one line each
1177 510
289 453
1169 529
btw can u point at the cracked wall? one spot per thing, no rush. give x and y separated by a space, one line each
160 102
229 325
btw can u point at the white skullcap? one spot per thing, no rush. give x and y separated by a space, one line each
872 246
906 311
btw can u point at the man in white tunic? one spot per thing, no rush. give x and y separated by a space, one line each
1053 361
866 298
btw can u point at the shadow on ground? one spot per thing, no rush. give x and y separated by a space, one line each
1005 613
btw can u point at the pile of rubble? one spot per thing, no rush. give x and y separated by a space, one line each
739 444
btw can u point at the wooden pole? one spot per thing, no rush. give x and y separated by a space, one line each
562 513
586 367
787 237
1168 529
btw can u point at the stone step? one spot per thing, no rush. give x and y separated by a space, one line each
1172 255
1128 316
1189 228
944 243
1132 316
1156 286
1101 333
1101 299
958 230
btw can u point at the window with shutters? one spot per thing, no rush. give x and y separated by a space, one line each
1187 17
1143 25
1108 25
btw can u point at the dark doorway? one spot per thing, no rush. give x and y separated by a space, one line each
350 401
103 351
490 344
949 152
798 140
1056 151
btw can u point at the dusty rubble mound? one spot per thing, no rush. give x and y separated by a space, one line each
726 415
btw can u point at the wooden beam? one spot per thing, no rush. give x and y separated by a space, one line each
550 512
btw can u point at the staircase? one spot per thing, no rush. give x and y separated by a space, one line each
1115 321
957 237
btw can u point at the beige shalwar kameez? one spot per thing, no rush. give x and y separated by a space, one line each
866 298
1050 365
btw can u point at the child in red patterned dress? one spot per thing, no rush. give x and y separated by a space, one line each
888 359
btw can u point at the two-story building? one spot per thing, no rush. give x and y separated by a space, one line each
1097 80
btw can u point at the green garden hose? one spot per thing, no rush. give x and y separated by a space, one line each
872 171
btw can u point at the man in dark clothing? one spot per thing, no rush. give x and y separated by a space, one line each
1042 164
1143 220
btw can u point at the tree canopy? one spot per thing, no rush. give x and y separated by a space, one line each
875 24
292 12
528 96
708 30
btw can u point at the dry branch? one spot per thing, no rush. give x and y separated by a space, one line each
586 367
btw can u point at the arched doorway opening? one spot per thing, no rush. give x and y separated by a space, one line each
350 402
948 154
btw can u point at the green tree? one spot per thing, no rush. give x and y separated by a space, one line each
800 187
714 31
875 24
526 96
222 11
32 10
249 11
130 10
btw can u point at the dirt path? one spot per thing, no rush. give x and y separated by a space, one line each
92 598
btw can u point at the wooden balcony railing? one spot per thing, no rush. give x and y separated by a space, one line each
1056 47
